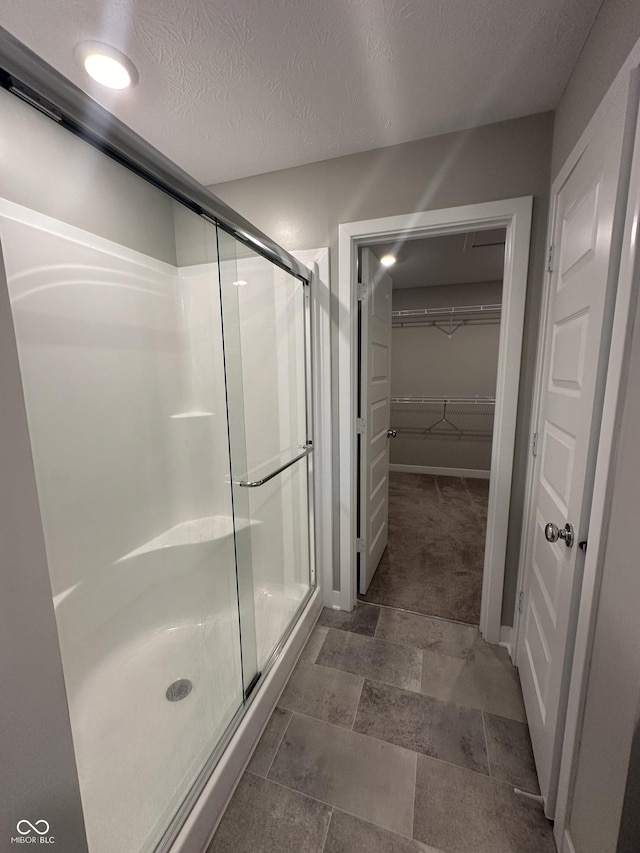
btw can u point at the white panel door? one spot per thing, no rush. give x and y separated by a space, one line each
375 408
584 207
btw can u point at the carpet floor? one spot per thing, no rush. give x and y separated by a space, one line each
434 559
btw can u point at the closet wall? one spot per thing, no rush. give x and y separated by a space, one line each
444 361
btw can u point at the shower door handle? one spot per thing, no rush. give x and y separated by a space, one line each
252 484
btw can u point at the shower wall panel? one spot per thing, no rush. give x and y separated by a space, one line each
48 170
121 363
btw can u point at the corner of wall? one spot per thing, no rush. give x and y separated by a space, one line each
612 37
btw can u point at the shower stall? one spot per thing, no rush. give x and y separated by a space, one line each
166 369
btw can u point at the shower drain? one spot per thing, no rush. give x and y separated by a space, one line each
180 689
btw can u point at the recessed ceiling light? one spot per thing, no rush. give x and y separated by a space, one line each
106 65
240 283
388 260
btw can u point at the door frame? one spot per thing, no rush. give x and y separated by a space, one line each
317 261
515 216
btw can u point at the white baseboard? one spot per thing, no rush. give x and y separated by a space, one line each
506 640
474 473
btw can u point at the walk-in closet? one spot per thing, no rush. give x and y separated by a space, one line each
446 300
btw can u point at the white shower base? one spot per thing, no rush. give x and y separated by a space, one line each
137 752
275 608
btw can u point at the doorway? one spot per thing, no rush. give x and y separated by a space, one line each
428 368
513 215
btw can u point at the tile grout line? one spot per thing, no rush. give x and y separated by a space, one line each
284 731
333 807
379 825
289 788
375 633
345 729
389 743
486 743
384 640
326 834
379 680
419 692
412 613
415 794
305 645
353 722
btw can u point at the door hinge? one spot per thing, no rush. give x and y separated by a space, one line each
362 291
361 426
520 600
550 259
360 545
534 444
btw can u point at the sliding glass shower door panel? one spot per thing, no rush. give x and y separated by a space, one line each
173 465
265 322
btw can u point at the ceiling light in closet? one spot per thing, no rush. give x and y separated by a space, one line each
106 65
388 260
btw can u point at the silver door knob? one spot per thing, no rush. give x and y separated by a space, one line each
392 433
552 533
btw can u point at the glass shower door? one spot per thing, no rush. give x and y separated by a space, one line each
265 315
173 468
120 350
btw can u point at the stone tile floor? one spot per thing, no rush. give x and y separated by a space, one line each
396 733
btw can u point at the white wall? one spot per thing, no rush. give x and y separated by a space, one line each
51 171
612 702
613 34
480 293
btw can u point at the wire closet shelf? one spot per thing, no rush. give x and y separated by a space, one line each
452 417
448 320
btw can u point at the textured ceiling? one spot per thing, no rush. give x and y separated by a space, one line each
453 259
230 88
